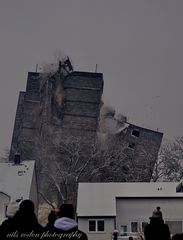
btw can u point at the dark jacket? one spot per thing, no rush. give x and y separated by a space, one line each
4 225
67 228
21 223
157 230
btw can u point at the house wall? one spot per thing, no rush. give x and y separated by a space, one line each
4 201
108 226
139 210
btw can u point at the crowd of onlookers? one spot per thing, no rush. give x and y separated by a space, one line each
22 223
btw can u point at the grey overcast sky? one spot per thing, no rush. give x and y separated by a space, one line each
137 44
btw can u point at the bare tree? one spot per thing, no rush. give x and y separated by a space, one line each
73 160
169 166
67 163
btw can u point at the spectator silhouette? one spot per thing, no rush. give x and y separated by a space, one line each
10 212
24 221
115 234
157 229
66 224
51 220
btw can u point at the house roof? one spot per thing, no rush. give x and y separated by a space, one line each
98 199
16 179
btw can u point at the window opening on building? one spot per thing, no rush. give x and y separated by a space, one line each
92 225
134 226
143 225
100 225
123 230
135 133
96 225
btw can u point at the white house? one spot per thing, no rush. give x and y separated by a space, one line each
103 207
17 181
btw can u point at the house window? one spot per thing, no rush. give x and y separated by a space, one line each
135 133
96 225
143 225
123 230
100 225
131 145
134 227
174 226
92 225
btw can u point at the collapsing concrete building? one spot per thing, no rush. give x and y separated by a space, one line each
134 148
65 105
71 106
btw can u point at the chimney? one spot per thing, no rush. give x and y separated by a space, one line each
17 158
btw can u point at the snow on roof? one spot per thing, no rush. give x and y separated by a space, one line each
98 199
15 180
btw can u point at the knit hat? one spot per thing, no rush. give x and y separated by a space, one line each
157 213
12 209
